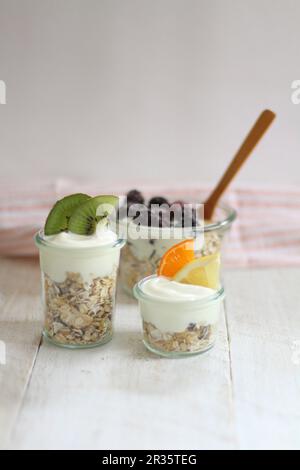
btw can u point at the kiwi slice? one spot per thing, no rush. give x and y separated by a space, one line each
85 218
59 216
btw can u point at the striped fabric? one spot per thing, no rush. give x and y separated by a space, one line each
266 232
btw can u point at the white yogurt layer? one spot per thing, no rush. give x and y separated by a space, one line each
102 236
97 262
171 306
162 288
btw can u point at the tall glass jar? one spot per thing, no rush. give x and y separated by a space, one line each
78 292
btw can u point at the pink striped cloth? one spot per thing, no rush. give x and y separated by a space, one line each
265 234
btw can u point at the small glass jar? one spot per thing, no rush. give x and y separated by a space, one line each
141 256
173 328
78 292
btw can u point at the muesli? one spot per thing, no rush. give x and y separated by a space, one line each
195 338
79 313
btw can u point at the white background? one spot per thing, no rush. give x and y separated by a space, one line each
147 90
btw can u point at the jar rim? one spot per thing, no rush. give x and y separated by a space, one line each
139 294
40 241
231 215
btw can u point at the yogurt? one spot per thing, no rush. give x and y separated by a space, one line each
90 255
102 236
162 288
178 318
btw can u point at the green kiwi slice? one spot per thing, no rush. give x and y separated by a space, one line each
59 216
85 218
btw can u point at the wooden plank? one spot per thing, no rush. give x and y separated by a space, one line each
122 396
263 315
20 330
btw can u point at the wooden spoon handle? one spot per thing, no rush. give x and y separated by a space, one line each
255 134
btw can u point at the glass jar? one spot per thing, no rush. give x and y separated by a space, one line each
173 328
141 256
78 292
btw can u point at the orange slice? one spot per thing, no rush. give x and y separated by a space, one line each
176 258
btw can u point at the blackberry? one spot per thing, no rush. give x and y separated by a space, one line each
160 217
135 197
158 200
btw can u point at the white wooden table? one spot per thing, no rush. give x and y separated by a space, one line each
244 393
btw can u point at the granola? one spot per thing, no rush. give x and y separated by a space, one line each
212 243
78 313
133 269
195 338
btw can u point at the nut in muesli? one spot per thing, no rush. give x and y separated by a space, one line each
195 338
78 313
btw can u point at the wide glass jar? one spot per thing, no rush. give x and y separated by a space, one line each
173 327
78 292
140 256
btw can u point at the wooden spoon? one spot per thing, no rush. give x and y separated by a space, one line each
255 134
